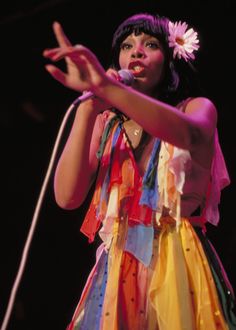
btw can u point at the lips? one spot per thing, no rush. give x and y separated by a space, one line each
137 68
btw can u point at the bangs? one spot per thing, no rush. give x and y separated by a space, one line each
137 24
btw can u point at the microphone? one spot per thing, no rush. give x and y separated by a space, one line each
125 77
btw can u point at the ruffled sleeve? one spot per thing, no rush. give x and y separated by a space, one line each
172 167
219 180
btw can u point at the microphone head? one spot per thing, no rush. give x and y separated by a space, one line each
126 77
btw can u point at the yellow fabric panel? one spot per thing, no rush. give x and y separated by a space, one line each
182 290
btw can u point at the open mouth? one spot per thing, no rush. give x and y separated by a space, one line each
137 69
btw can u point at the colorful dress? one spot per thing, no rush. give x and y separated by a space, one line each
155 268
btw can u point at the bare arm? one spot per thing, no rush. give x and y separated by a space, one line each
185 130
78 162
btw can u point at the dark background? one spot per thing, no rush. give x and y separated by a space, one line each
32 107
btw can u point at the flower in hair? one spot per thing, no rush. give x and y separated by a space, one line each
184 41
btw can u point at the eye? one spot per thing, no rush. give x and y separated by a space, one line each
125 46
152 44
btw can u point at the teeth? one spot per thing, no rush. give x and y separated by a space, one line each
137 68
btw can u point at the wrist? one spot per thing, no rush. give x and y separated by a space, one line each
105 89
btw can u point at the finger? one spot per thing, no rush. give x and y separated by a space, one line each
82 50
63 51
113 73
56 73
62 39
50 52
57 54
90 58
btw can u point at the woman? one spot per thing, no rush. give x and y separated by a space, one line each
153 150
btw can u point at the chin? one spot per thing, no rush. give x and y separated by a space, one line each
142 86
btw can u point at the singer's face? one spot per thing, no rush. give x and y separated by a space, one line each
143 55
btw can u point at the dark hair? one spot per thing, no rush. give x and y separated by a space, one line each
180 76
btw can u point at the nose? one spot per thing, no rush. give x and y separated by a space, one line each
137 53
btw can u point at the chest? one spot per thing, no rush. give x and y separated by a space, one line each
141 144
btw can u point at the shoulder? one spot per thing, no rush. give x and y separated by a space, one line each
203 114
202 107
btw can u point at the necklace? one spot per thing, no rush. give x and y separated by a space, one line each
134 133
137 131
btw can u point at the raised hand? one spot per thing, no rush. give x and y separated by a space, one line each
83 71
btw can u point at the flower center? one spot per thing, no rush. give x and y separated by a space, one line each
179 41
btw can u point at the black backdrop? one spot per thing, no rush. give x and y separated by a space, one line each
32 108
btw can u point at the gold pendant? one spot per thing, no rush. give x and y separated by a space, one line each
136 131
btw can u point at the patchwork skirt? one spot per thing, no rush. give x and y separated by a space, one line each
183 286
